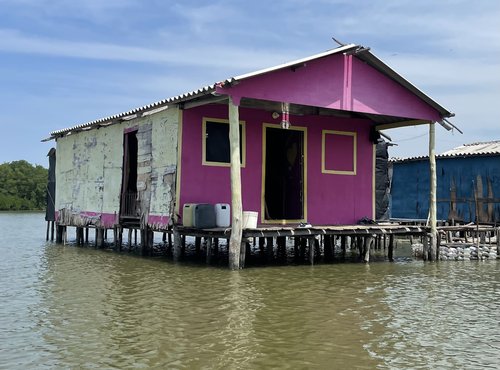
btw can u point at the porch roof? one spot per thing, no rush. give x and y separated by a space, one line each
208 94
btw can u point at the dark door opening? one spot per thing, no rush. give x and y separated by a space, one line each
284 176
129 200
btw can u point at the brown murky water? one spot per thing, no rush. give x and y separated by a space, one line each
69 307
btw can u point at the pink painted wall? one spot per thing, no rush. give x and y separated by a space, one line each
332 199
325 83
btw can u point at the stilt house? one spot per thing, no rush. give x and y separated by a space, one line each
294 142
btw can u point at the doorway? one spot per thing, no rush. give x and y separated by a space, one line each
284 182
129 207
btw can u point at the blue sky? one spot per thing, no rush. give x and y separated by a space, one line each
68 62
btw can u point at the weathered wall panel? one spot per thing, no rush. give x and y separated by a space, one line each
89 167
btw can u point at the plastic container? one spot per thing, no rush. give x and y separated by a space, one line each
250 219
187 214
204 216
222 215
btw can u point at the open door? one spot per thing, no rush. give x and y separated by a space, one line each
129 207
284 182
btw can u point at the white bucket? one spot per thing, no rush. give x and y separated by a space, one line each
250 219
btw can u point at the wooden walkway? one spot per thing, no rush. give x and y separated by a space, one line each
311 243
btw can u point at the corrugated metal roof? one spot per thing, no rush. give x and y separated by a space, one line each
480 148
357 50
466 150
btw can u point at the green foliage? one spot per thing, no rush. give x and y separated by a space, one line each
22 186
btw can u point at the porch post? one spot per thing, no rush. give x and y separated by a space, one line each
433 185
236 206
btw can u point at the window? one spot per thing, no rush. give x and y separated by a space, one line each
216 150
338 152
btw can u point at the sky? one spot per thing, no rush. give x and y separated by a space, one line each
65 62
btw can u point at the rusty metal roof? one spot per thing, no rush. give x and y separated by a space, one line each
209 90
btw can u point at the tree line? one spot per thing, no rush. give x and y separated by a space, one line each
22 186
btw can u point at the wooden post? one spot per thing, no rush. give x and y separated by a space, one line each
262 243
100 237
366 249
209 251
177 244
311 250
270 248
86 235
52 230
129 239
120 238
390 251
327 247
425 248
197 246
433 186
65 235
215 247
343 244
296 247
244 246
498 241
281 243
48 228
236 206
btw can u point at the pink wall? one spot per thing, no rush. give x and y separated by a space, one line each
325 83
332 198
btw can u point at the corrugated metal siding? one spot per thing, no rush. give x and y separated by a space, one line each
457 178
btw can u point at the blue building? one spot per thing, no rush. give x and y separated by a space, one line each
466 176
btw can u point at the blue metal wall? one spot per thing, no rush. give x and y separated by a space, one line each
456 180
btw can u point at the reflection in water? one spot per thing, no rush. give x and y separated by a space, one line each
69 307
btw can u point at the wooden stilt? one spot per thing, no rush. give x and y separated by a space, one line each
215 247
135 237
164 237
100 237
177 251
129 239
262 243
120 238
426 247
52 230
65 235
303 246
296 248
328 241
311 243
115 238
270 248
281 247
209 251
86 235
183 245
390 252
243 252
498 241
48 230
369 240
236 204
343 245
197 246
